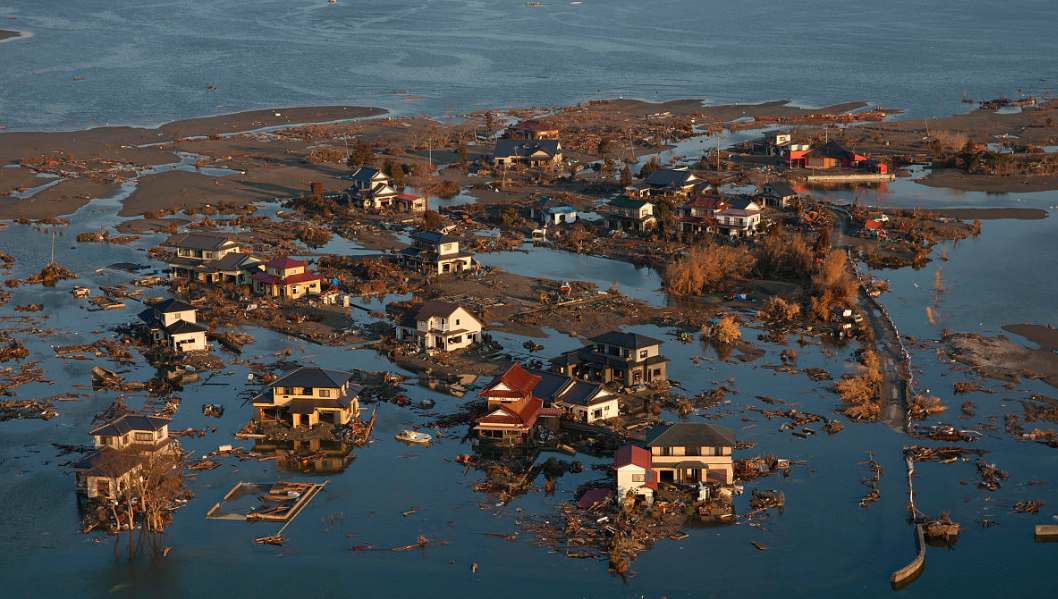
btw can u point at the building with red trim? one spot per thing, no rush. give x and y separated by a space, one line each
286 278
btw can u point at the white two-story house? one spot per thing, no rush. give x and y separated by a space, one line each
436 253
173 322
439 325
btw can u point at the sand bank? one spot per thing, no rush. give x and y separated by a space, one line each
992 213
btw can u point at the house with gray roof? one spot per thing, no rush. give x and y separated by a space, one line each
575 400
210 258
539 153
121 447
628 359
669 181
308 396
439 325
174 323
691 453
778 193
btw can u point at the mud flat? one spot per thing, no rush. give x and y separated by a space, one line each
998 358
1044 336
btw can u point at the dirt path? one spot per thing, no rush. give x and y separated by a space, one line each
896 377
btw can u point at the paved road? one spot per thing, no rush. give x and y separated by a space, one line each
895 376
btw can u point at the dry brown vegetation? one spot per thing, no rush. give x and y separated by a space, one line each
707 268
833 285
725 331
862 390
784 256
923 407
778 310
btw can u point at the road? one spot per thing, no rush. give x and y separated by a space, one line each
896 378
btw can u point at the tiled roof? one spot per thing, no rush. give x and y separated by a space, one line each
628 340
630 454
312 377
129 423
691 434
516 378
285 262
199 241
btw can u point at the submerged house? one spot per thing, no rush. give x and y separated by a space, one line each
436 253
512 410
439 325
630 214
308 396
173 323
286 278
208 258
542 153
629 359
634 471
120 447
552 212
574 399
691 452
409 202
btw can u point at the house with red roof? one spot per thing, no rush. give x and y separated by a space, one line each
286 278
512 411
409 202
634 474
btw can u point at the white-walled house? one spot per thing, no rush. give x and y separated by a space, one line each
741 218
692 452
633 468
173 322
121 446
439 325
552 212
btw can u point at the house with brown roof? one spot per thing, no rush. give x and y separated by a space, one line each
534 129
307 397
121 445
439 325
699 214
210 258
286 278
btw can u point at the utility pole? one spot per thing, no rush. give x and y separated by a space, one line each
52 247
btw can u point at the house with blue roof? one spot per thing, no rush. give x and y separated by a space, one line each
552 212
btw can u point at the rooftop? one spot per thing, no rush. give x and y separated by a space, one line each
199 241
629 340
312 377
129 423
691 434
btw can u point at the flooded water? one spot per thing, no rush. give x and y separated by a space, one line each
144 63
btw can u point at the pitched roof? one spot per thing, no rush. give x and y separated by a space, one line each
691 434
365 173
285 262
629 340
832 149
592 497
428 310
506 148
706 202
665 177
235 261
551 204
780 189
129 423
172 305
516 378
199 241
433 237
312 377
627 202
508 416
183 327
270 279
632 455
535 125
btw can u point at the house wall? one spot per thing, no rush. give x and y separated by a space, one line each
189 341
130 440
631 477
169 318
284 395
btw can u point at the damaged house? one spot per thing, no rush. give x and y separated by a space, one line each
439 325
173 323
309 396
107 472
207 258
435 253
629 359
286 278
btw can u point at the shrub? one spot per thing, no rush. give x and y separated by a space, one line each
707 268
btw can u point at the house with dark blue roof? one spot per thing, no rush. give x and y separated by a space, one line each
628 359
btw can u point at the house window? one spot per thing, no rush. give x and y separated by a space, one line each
306 391
325 392
456 339
693 451
457 322
144 437
125 439
642 354
596 414
639 478
666 451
